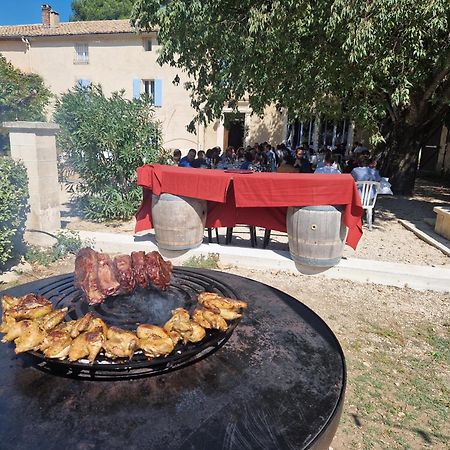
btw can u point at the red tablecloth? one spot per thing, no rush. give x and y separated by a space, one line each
259 199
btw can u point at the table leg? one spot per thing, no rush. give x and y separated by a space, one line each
266 237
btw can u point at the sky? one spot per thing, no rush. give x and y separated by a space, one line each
25 12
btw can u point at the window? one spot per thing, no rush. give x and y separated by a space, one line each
149 89
148 45
81 54
152 88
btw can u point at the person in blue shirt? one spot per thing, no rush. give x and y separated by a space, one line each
247 164
187 160
328 166
363 172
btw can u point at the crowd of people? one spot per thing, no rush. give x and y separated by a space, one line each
266 158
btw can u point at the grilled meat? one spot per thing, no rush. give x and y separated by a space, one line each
51 320
209 319
31 306
123 271
158 270
139 269
154 341
56 344
87 344
86 268
228 308
120 343
106 279
26 334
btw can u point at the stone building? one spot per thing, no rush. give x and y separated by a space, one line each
113 54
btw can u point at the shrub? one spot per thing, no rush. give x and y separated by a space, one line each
13 207
104 140
66 242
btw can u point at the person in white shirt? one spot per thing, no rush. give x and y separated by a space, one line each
329 166
363 172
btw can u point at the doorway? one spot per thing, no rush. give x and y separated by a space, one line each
234 123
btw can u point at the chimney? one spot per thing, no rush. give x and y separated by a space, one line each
46 10
54 19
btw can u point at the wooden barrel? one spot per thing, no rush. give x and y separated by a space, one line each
316 235
179 222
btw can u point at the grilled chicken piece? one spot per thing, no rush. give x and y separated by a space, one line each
87 344
9 302
209 319
154 341
51 320
26 334
120 343
198 332
139 268
228 308
97 324
123 270
67 327
31 306
158 270
106 279
86 268
56 344
6 323
179 324
81 325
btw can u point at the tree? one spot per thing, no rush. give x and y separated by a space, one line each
104 140
101 9
385 64
22 96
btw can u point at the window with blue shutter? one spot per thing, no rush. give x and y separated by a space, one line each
158 93
83 83
136 88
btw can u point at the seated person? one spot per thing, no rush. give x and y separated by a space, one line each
176 156
248 163
200 161
287 163
329 166
363 172
187 160
302 162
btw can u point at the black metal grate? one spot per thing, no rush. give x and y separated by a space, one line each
127 312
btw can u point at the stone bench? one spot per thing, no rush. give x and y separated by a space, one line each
442 226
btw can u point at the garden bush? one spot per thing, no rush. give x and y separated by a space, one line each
104 140
13 207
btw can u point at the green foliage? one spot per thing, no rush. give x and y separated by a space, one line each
384 63
13 207
104 140
67 242
22 96
101 9
203 262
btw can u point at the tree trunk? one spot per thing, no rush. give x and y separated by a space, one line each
399 156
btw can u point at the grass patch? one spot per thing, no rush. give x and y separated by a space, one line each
399 397
203 262
66 242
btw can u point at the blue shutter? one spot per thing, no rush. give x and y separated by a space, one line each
136 88
83 83
158 93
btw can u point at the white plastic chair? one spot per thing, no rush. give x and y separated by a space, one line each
368 191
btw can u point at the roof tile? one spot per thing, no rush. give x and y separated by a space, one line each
68 28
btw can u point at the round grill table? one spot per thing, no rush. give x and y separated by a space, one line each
278 383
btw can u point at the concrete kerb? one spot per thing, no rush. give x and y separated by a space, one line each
359 270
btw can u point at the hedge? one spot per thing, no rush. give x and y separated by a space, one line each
13 207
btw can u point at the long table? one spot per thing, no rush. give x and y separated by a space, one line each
259 199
